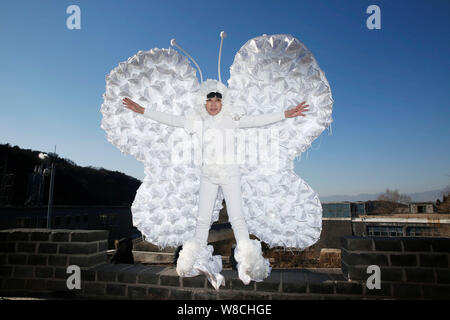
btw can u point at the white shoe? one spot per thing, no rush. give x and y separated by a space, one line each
251 264
195 259
186 257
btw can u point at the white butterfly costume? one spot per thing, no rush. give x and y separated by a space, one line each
269 75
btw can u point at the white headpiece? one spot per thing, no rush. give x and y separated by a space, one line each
206 87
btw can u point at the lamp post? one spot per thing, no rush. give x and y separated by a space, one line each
53 157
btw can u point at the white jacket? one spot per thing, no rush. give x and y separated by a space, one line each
217 166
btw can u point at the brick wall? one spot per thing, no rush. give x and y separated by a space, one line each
36 260
410 267
332 231
33 262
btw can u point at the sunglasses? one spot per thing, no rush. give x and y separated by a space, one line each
214 95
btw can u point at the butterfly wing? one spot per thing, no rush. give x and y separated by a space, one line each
166 203
272 74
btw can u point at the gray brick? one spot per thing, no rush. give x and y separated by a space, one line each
416 245
356 243
167 280
148 277
129 275
155 293
293 282
321 287
100 267
29 247
283 296
419 275
89 235
7 247
78 248
4 235
204 295
316 276
35 284
406 291
346 287
180 294
109 272
437 292
17 259
384 291
3 258
36 260
383 244
356 273
47 248
40 235
61 236
87 275
319 282
6 271
23 272
405 260
248 295
88 260
102 246
14 284
441 245
44 272
237 284
365 259
94 288
227 285
61 273
19 236
434 260
337 277
135 292
391 274
116 289
58 260
106 276
56 285
194 282
443 276
230 295
271 283
339 297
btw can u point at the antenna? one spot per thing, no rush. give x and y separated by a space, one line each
174 44
223 35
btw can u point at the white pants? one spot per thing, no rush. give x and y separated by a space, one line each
208 194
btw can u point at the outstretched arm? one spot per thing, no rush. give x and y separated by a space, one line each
163 117
265 119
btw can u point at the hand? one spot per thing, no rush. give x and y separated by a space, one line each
130 104
297 111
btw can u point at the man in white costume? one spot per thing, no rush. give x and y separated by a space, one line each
210 125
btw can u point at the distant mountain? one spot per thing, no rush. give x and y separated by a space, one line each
426 196
74 185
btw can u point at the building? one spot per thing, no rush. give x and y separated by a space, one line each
368 218
402 225
421 207
117 220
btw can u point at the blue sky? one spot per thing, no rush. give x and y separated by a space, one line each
390 86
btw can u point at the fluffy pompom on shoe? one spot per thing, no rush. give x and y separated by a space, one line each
251 264
187 256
